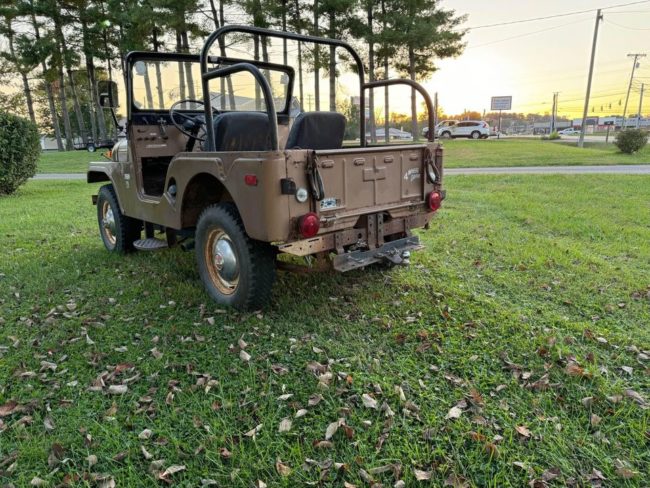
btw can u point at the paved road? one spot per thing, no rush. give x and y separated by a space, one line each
636 169
633 169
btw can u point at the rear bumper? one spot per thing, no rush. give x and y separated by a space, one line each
367 236
391 251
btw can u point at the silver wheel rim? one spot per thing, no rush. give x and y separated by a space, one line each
222 263
108 223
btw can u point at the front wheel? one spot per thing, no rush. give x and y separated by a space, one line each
236 270
475 135
118 232
446 135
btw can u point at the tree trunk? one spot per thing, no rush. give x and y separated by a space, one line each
332 67
285 55
300 83
77 107
386 66
27 90
258 93
414 109
161 96
69 142
181 71
316 60
48 85
189 76
58 32
371 77
222 51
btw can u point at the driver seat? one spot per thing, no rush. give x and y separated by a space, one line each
242 131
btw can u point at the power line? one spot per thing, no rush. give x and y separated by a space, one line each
566 14
525 35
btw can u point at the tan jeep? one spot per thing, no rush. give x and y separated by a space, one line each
242 180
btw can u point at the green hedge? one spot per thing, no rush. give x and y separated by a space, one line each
19 151
631 140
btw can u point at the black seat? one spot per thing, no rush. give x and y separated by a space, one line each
242 131
317 130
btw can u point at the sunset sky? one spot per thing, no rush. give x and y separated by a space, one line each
532 60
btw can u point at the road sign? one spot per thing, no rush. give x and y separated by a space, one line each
501 103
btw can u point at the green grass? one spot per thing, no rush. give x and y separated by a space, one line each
526 152
521 277
68 161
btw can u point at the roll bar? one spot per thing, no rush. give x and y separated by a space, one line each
415 85
266 91
363 86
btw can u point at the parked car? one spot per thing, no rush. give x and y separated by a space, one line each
472 129
570 131
440 125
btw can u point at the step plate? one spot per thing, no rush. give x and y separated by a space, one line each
150 244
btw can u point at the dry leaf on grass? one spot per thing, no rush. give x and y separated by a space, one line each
145 434
523 430
244 356
281 468
118 389
8 408
368 401
454 413
421 475
285 425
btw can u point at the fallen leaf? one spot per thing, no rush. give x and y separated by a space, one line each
176 468
285 425
314 400
244 356
8 408
368 401
635 396
523 430
36 481
225 453
145 434
422 475
551 474
332 428
456 481
118 389
281 468
301 413
454 413
92 460
48 423
253 432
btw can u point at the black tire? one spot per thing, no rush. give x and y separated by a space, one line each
90 147
249 288
118 235
446 135
475 135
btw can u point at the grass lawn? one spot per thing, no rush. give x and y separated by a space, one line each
515 348
68 161
526 152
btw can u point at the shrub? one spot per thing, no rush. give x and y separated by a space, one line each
631 140
553 136
19 151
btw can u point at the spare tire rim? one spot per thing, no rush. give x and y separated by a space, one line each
222 262
108 222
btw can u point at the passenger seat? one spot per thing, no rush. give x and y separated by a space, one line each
317 130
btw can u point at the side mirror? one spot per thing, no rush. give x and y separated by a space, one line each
108 94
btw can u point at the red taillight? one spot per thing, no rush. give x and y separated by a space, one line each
250 180
434 200
309 225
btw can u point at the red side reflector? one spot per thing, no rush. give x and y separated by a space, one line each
250 180
309 224
434 200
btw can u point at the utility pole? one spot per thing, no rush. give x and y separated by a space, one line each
554 112
638 119
581 140
629 86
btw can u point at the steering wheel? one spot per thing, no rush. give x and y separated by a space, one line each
191 124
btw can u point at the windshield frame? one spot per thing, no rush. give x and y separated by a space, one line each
217 61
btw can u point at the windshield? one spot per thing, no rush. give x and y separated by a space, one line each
158 84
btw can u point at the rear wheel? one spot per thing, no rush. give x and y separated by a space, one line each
446 135
475 135
236 270
118 232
